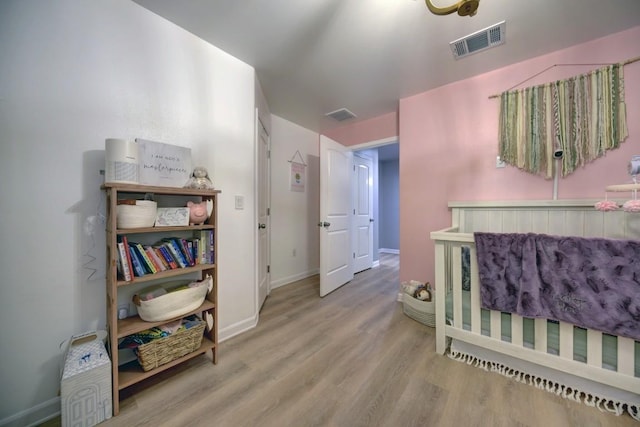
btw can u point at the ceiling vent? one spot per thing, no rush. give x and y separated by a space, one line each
341 115
480 40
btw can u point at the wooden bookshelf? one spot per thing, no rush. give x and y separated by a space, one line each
130 373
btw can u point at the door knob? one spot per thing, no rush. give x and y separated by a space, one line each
262 225
324 224
371 220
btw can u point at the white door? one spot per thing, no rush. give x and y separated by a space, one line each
362 214
263 215
335 215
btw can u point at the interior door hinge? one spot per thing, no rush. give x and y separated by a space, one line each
268 211
268 154
354 255
268 269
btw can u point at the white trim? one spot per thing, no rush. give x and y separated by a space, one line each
389 251
237 328
294 278
375 143
35 415
376 263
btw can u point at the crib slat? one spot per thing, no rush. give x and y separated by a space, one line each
566 340
456 265
516 330
594 348
496 325
625 356
440 297
540 331
476 319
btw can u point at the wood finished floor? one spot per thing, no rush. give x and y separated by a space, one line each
349 359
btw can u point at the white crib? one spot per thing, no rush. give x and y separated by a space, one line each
556 356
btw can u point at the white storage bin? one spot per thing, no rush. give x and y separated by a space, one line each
85 387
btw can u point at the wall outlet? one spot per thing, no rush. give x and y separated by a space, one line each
500 163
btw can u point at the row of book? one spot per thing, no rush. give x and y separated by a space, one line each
136 259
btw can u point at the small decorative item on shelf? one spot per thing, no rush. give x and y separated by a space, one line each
199 179
632 205
136 213
198 212
606 205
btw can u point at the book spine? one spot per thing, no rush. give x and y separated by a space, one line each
154 258
128 254
122 256
163 262
145 259
212 255
137 266
168 256
184 245
195 250
203 246
177 254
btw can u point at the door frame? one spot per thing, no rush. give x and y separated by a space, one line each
258 126
369 145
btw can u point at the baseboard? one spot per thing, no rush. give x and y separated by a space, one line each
389 251
290 279
376 263
34 416
237 328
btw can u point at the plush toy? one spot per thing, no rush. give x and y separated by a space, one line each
199 179
410 287
197 212
423 292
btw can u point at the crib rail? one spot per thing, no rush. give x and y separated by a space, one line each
546 343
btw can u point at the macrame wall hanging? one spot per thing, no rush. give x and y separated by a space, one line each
574 120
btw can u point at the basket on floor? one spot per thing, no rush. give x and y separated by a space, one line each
422 311
164 350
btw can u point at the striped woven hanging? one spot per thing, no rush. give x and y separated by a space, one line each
584 116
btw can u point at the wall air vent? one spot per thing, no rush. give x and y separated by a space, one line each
480 40
341 115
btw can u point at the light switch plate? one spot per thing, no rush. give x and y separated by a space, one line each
500 163
239 202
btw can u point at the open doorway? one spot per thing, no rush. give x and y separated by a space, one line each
386 198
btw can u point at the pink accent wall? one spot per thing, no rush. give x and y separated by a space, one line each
448 140
385 126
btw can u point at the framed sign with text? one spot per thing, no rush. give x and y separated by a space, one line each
163 164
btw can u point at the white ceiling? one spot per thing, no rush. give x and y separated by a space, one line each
315 56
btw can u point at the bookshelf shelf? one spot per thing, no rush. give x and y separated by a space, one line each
127 374
165 274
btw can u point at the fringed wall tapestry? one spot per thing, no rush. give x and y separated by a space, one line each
584 116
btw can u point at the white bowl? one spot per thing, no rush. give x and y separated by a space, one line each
140 215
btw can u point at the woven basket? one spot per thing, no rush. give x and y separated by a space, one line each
164 350
422 311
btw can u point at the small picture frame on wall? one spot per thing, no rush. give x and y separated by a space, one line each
172 217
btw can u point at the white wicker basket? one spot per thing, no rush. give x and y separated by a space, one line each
173 304
422 311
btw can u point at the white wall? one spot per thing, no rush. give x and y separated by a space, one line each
73 73
294 215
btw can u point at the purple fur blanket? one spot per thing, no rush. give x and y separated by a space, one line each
589 282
